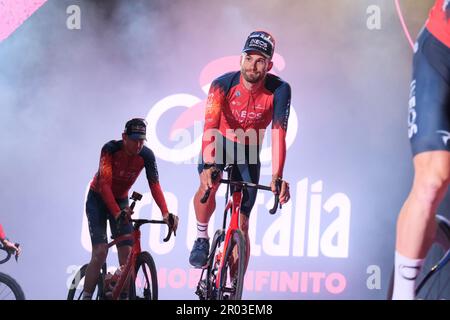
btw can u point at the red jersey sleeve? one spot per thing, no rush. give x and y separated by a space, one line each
213 110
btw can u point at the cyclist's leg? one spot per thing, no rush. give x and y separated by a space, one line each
416 224
429 132
203 211
96 213
123 247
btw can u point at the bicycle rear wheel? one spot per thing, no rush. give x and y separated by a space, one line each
10 289
232 281
434 281
145 286
76 288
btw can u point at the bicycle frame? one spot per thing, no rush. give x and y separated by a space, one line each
128 274
233 204
130 265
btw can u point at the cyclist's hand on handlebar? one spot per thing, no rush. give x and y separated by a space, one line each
12 247
172 222
207 179
284 193
124 216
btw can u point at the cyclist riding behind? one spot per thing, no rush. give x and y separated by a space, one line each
120 164
8 244
429 134
239 107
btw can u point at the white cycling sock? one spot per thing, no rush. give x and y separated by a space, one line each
202 230
87 295
406 272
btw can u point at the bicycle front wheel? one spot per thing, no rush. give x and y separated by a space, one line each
10 289
232 273
145 286
76 288
434 281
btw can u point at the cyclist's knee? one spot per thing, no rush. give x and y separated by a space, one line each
429 190
433 164
432 174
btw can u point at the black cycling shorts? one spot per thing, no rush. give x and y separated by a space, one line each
429 102
97 213
246 158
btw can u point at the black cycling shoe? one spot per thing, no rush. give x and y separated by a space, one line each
199 253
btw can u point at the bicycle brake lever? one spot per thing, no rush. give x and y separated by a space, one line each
167 238
214 176
277 197
205 196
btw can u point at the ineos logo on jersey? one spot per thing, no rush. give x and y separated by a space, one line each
244 115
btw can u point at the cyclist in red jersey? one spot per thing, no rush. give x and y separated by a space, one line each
429 134
240 106
8 244
120 164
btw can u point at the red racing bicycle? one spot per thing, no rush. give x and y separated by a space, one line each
222 278
138 278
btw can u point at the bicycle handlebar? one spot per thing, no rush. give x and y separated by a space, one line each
9 253
138 222
244 184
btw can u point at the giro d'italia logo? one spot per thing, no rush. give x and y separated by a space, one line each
187 129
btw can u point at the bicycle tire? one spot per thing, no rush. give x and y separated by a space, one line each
146 279
437 285
76 287
233 290
15 292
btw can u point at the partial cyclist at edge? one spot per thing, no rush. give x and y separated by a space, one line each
7 243
429 134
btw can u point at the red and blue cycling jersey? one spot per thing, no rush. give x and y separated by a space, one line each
438 22
118 171
231 107
2 233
